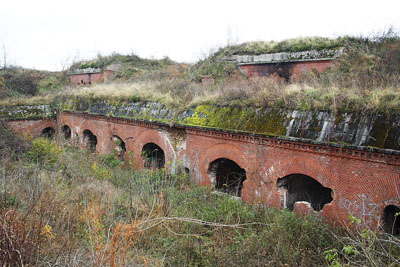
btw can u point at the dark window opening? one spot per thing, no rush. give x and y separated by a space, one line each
391 220
300 187
228 176
48 132
119 147
81 81
153 156
66 131
89 140
187 171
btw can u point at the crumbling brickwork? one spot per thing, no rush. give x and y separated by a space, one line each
285 70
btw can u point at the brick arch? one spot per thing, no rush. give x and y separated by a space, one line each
301 165
218 151
152 136
82 125
48 124
32 127
306 166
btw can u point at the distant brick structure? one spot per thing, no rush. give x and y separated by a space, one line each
90 76
286 70
286 65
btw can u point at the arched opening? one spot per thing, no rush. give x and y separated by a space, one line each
66 131
153 156
227 176
300 187
391 220
48 132
89 140
119 147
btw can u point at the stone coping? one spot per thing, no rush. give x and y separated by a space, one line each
85 71
303 56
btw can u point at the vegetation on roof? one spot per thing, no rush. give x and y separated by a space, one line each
127 67
289 45
304 44
17 82
365 78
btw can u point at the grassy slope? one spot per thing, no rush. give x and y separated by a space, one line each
365 79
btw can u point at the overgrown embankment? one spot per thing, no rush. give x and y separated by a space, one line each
355 102
62 206
369 129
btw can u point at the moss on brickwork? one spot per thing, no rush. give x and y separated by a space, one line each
381 131
247 119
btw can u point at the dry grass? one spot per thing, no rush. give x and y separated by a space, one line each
364 79
289 45
263 92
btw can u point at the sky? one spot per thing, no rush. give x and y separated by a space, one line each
52 34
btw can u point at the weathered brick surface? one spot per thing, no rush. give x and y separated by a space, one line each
89 78
33 127
363 182
135 137
285 69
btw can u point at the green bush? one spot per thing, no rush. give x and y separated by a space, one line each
44 151
20 81
52 82
110 160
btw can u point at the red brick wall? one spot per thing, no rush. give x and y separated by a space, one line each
33 127
360 187
287 70
90 78
135 137
107 74
363 183
77 79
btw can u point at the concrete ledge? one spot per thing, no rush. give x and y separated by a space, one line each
312 55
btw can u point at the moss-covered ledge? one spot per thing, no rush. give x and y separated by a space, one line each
28 112
374 130
377 130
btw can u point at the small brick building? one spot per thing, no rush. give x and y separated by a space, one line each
89 76
285 64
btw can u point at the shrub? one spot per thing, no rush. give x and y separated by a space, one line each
44 151
52 82
110 160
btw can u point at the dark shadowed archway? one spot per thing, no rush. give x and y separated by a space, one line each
391 220
300 187
48 132
66 132
228 176
119 147
89 140
153 156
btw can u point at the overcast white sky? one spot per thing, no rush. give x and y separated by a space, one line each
47 34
